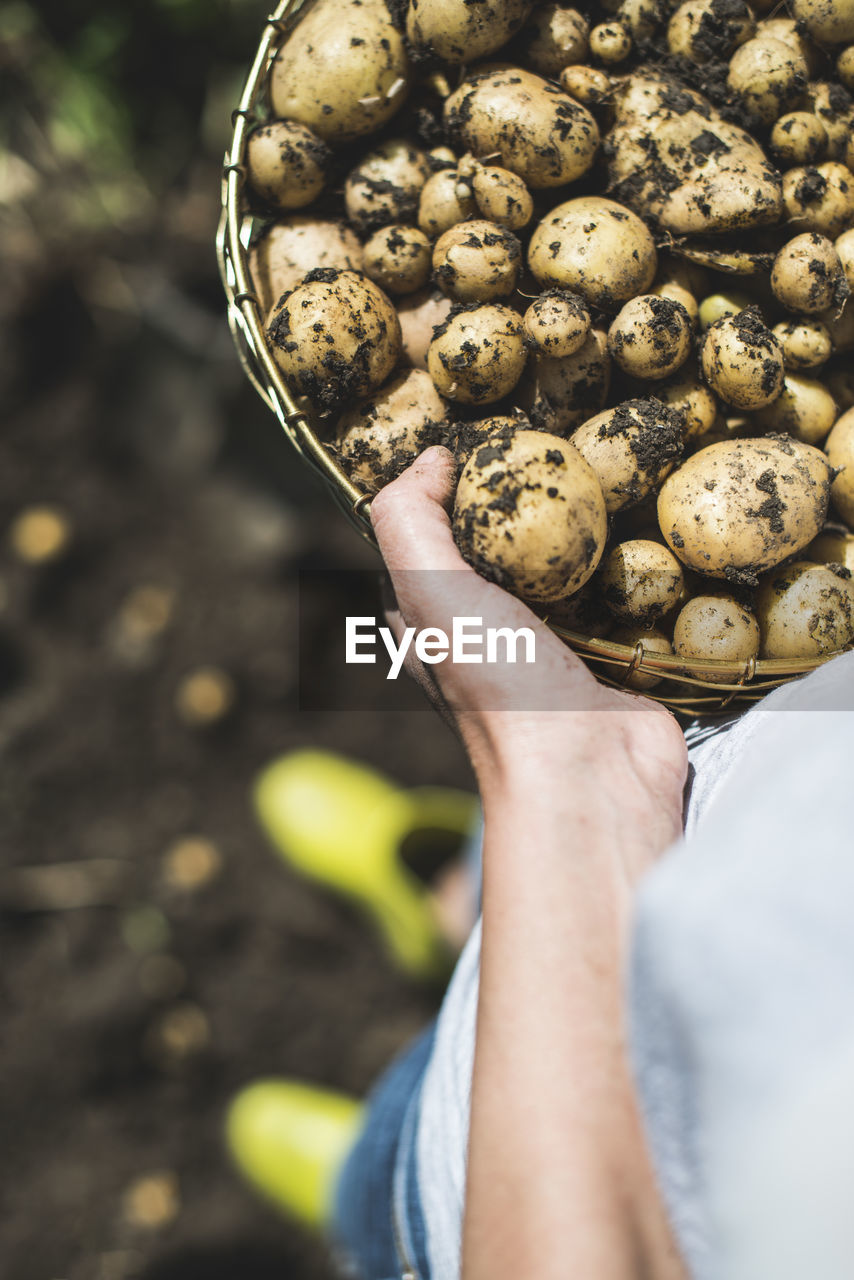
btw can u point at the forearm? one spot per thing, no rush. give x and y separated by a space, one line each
559 1182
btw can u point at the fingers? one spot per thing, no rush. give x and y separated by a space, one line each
410 516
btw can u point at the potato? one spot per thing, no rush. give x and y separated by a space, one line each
740 507
844 246
398 259
631 448
554 38
845 67
683 283
673 159
380 437
419 314
641 18
343 71
287 164
767 76
557 324
701 30
832 546
596 248
445 200
833 107
477 261
685 393
715 627
820 199
840 451
653 642
587 85
742 361
386 186
336 336
805 611
805 343
719 305
807 275
464 437
502 196
805 410
798 138
640 581
827 21
459 31
558 393
610 43
650 337
786 29
478 354
529 514
288 251
536 129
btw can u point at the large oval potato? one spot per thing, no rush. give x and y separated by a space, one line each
459 31
596 248
740 507
539 132
343 71
529 514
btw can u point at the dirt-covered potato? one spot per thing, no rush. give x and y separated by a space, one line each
742 361
477 261
805 610
502 196
557 324
343 71
419 314
596 248
478 354
641 18
286 164
832 546
807 275
380 437
445 200
558 393
805 343
587 85
610 43
650 337
287 251
717 628
683 283
554 38
827 21
798 138
653 642
705 30
465 436
640 581
820 198
834 108
782 27
685 393
767 76
805 410
740 507
673 158
840 452
386 186
336 336
529 514
631 448
398 259
536 129
459 31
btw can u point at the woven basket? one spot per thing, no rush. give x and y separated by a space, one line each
683 687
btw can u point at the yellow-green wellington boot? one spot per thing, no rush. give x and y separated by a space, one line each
290 1141
344 825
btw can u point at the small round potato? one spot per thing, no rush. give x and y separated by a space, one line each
716 628
287 164
641 18
805 410
529 514
650 337
386 186
740 507
343 71
477 261
586 85
631 448
798 138
554 38
502 197
807 274
827 21
537 130
610 43
557 324
805 610
594 247
419 314
640 581
478 354
398 259
559 392
685 393
742 361
289 250
840 451
445 201
767 76
380 437
335 337
820 199
701 30
458 31
653 642
806 344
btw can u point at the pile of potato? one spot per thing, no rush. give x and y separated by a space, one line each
604 254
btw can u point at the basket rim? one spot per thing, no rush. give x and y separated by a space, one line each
749 679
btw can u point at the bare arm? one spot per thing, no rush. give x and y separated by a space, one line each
577 801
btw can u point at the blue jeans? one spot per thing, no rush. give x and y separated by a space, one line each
376 1187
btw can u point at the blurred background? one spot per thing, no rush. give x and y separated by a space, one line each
155 954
